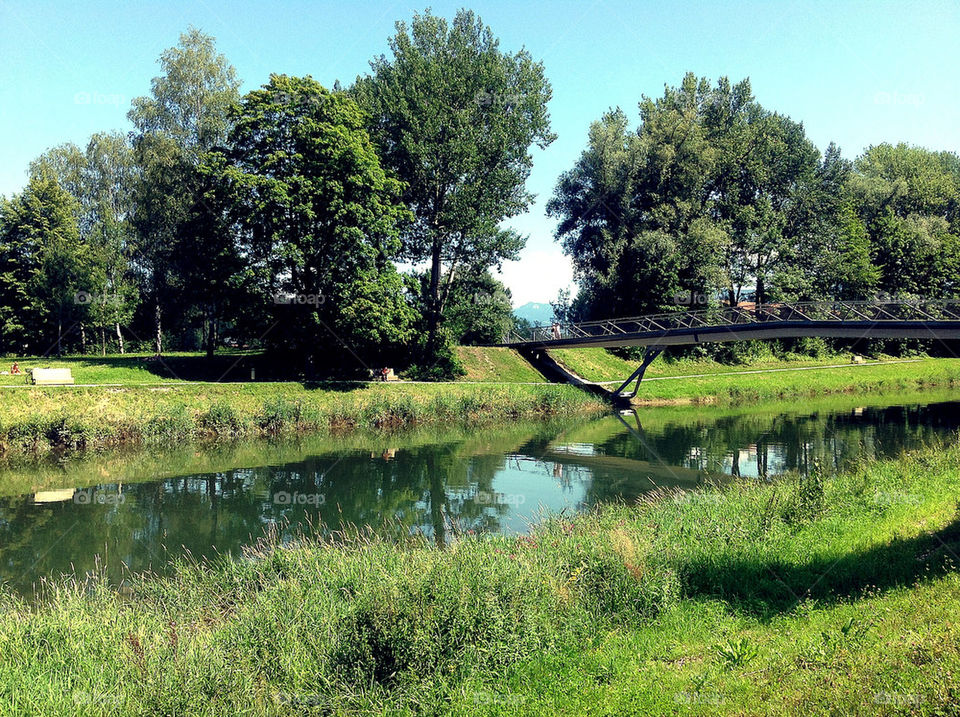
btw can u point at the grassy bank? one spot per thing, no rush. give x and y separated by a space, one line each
826 595
597 364
487 363
801 382
134 404
39 418
482 363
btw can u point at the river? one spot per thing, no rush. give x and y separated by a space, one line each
130 511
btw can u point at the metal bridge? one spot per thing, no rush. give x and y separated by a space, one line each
913 319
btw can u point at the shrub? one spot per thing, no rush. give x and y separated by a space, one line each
278 413
222 419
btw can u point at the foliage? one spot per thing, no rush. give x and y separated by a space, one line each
186 115
320 218
454 117
42 266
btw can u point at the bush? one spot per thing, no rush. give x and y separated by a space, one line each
222 419
441 364
173 422
279 413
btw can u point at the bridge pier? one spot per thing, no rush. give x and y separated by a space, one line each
649 356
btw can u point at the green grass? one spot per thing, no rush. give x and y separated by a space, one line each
39 418
597 364
482 363
827 595
747 388
142 405
486 363
132 369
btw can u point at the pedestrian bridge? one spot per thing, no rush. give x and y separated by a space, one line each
906 319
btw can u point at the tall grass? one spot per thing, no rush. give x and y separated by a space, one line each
76 418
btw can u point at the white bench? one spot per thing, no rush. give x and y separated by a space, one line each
51 377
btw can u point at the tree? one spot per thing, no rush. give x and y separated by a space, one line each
186 115
101 179
42 265
479 309
907 199
319 218
455 118
706 194
191 101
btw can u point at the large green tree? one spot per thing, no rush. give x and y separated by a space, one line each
455 118
319 219
907 198
706 195
186 114
101 178
42 267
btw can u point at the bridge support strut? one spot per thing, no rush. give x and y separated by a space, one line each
648 358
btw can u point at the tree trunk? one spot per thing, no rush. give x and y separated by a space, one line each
83 339
119 338
157 316
433 305
103 340
210 329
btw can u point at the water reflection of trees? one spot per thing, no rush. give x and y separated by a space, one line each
433 487
427 489
765 445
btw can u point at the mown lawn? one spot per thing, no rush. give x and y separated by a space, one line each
800 383
822 595
597 364
485 363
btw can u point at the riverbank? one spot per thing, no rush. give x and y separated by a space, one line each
778 383
127 411
41 418
831 594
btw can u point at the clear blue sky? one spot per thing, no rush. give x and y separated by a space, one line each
856 73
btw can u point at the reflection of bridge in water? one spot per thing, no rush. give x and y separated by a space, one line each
939 320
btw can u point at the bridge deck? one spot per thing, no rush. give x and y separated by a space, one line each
828 319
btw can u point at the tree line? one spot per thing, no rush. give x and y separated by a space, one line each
713 198
279 218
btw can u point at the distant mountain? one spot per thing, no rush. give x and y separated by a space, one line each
534 313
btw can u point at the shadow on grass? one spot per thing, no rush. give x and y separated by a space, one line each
233 367
766 587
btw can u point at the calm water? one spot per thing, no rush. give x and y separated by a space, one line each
128 512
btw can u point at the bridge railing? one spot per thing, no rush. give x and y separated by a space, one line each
919 310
